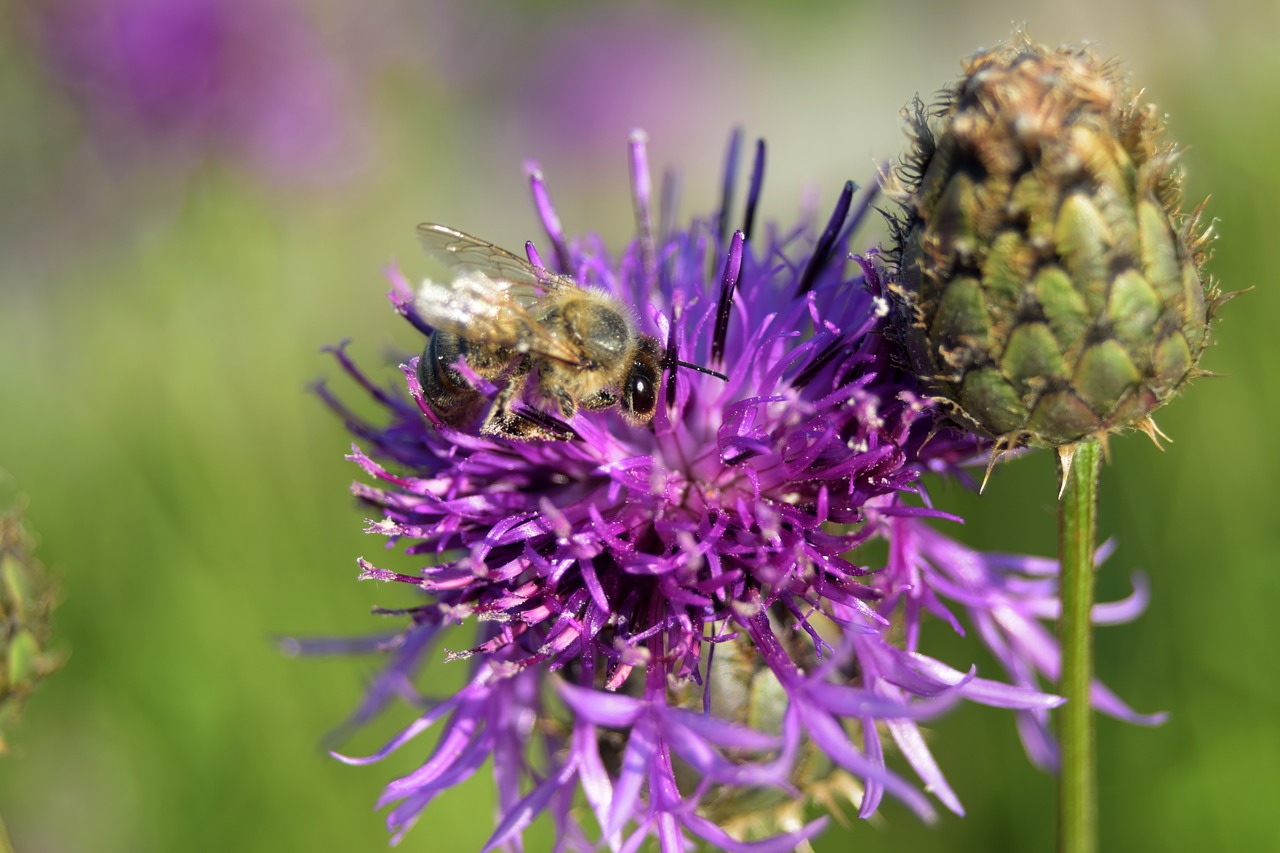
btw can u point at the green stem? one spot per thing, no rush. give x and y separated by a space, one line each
1077 535
6 846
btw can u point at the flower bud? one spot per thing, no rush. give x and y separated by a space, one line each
1050 288
26 603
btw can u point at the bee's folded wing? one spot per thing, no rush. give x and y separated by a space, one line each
485 310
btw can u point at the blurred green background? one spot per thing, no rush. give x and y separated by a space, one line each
169 266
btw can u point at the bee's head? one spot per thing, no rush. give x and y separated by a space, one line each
640 385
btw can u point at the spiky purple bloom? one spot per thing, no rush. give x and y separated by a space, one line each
674 634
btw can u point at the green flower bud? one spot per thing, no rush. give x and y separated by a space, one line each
1050 289
744 690
26 603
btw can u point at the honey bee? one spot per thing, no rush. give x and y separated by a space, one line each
524 328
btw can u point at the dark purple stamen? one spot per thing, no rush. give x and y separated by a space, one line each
726 184
403 304
531 252
535 258
641 187
732 268
822 252
706 692
550 220
672 363
821 360
753 190
855 221
668 196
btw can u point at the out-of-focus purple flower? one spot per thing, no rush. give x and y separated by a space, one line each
674 634
247 79
601 72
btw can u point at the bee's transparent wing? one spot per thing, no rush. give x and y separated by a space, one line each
490 300
461 251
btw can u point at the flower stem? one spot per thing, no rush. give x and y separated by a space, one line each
1077 535
6 846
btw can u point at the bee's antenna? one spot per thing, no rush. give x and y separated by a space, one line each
717 374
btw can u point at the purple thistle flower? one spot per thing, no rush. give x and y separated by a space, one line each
673 636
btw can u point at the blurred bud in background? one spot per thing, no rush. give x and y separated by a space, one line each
27 600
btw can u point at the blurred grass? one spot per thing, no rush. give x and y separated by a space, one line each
157 335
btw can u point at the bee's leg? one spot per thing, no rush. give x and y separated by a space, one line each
554 386
502 419
444 389
505 421
565 402
600 400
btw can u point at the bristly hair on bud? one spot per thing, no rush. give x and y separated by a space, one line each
1048 287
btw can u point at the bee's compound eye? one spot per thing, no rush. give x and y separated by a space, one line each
641 393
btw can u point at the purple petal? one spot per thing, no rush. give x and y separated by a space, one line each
611 710
716 836
519 817
641 747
